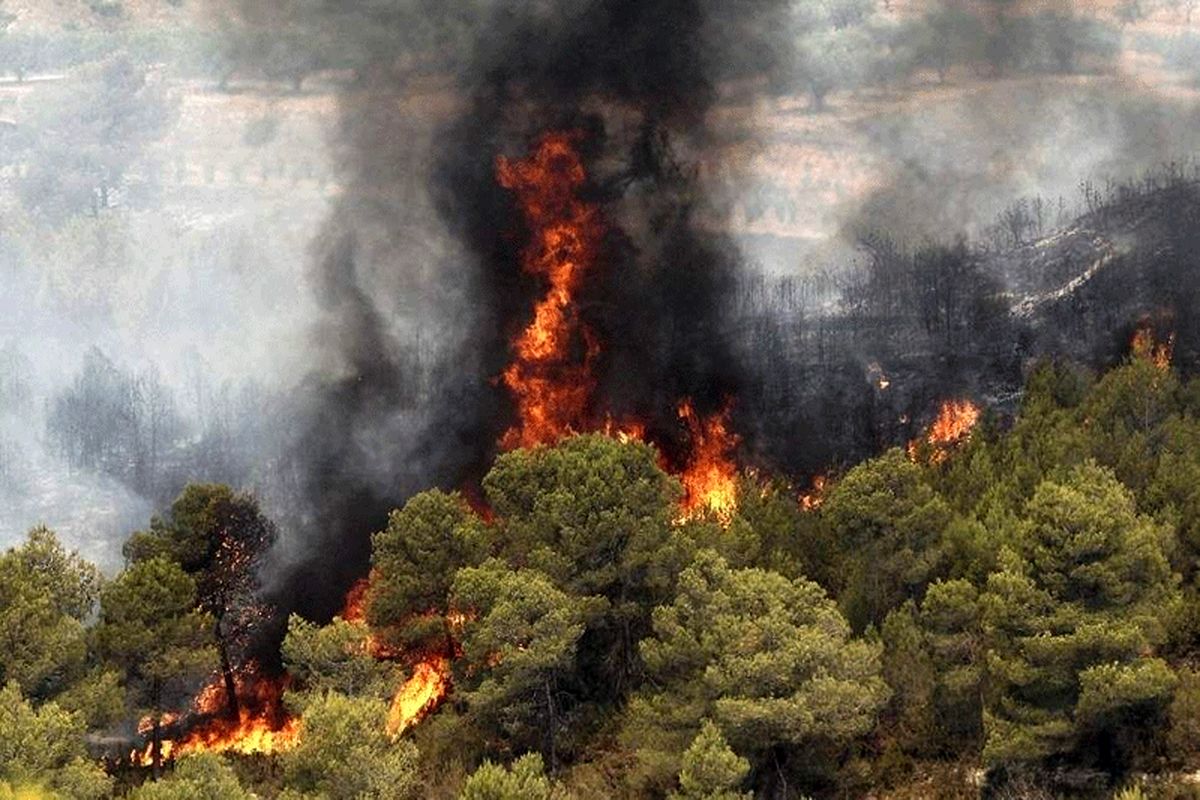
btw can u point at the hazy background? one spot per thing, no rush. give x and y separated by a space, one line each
169 170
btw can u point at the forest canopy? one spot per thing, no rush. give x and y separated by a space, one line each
1022 606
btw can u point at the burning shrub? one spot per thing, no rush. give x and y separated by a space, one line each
150 630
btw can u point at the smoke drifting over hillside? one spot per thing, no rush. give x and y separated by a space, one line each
307 279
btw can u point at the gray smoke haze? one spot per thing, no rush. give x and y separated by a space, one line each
282 252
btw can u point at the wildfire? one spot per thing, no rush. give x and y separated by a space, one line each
262 725
429 682
550 380
355 608
420 694
710 477
955 421
1145 347
812 500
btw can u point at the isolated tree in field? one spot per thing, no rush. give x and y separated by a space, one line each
940 40
413 562
149 628
769 660
346 753
1071 622
824 46
519 648
219 537
594 515
87 134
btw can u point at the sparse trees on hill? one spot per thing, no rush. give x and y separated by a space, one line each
87 136
116 423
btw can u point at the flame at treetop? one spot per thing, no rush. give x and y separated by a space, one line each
955 421
710 476
262 725
549 378
1147 348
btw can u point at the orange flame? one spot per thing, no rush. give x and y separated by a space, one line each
429 682
262 726
1146 347
420 694
355 608
955 421
550 383
550 375
811 500
710 477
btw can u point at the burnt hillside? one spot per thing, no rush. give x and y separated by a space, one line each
845 366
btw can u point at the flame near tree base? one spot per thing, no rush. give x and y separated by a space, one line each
551 384
262 725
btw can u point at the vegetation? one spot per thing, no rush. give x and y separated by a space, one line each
1024 603
1024 606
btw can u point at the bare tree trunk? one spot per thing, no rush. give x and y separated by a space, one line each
552 755
156 735
231 697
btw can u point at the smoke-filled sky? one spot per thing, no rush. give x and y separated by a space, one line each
262 242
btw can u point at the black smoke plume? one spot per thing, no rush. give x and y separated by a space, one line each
418 266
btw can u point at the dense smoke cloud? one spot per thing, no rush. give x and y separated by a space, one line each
418 269
319 289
